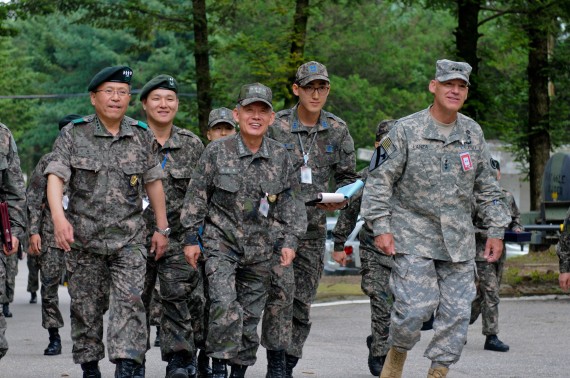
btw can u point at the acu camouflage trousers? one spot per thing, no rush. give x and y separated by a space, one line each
98 282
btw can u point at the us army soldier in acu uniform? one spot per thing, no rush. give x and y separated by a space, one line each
321 148
417 200
107 161
13 191
242 190
179 151
50 258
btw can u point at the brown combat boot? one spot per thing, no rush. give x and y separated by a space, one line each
394 364
438 372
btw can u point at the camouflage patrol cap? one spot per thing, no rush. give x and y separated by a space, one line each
221 115
115 74
68 118
255 92
446 70
383 128
161 81
310 71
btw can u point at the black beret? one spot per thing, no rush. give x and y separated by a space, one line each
116 74
161 81
68 118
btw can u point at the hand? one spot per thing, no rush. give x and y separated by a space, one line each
287 256
15 246
385 244
35 244
339 257
191 254
158 245
493 250
564 281
332 206
63 233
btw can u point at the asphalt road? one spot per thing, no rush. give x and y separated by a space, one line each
536 329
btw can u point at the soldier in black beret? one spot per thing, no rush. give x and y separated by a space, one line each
108 163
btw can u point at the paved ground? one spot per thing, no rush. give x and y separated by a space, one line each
536 329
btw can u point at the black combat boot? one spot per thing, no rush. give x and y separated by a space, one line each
176 367
157 340
6 310
140 370
219 368
204 370
126 368
54 347
275 364
238 371
290 363
493 343
91 369
374 363
34 298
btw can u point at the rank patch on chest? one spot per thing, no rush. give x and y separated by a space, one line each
466 161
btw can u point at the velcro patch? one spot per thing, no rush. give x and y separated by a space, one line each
382 153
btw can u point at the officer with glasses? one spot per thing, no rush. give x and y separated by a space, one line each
321 148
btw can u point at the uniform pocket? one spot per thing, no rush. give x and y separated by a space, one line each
85 172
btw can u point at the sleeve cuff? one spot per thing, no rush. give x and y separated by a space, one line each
381 226
496 233
291 241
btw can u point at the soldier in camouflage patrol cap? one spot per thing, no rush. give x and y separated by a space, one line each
489 274
563 252
108 163
417 201
179 150
13 191
220 123
375 269
320 147
42 245
244 191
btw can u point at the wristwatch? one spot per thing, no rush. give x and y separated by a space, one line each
165 232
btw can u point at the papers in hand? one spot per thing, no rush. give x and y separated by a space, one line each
340 195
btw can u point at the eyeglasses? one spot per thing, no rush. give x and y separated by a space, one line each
110 92
320 90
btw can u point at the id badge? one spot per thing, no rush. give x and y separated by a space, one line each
306 175
145 202
65 202
264 207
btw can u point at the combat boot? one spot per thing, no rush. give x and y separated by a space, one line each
374 363
6 310
219 368
238 371
91 369
394 364
204 370
125 368
157 340
140 370
176 367
438 372
34 298
493 343
54 347
290 363
275 364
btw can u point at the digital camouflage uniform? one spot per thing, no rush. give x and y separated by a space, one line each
179 324
331 156
421 194
375 270
13 191
51 259
10 281
224 194
489 274
33 273
106 175
563 246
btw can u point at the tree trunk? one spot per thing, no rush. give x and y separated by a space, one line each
298 40
538 104
466 39
201 57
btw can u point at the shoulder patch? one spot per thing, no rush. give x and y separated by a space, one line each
382 153
79 121
141 124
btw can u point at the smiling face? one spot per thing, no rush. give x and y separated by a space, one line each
449 96
161 106
111 107
254 119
